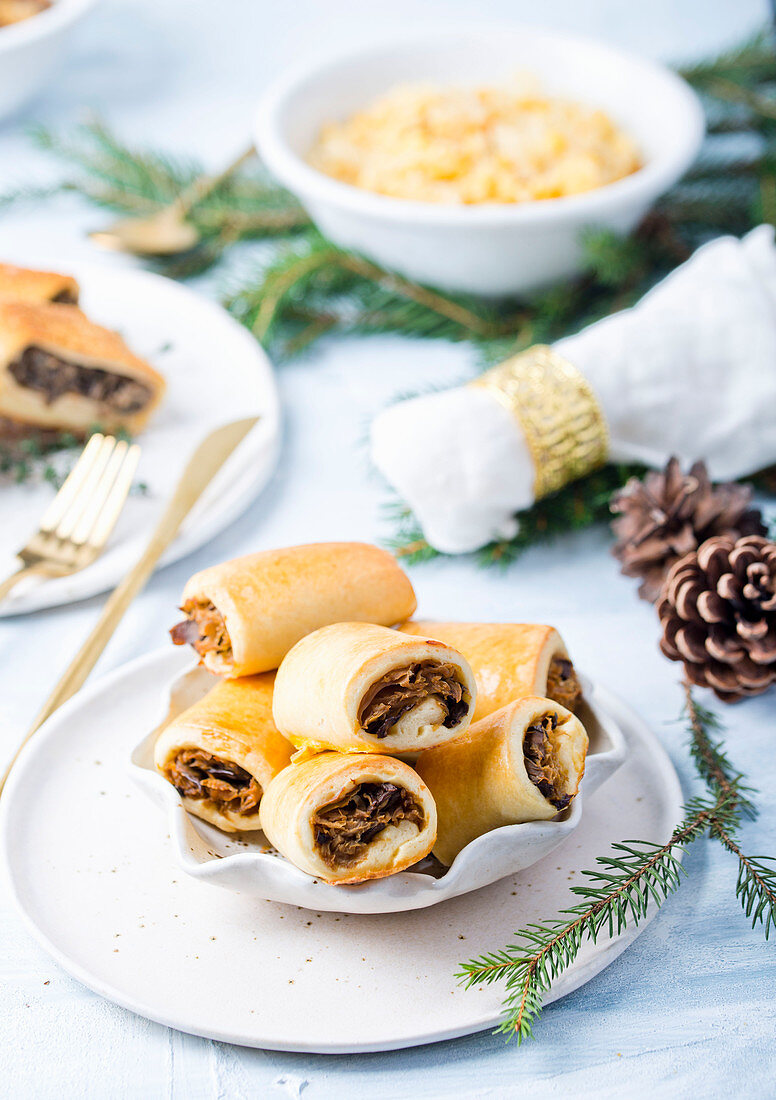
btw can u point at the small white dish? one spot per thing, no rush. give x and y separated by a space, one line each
215 372
488 249
98 883
30 51
249 865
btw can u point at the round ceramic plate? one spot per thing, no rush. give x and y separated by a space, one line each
98 882
215 372
248 864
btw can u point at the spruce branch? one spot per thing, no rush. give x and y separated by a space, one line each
709 757
245 205
619 892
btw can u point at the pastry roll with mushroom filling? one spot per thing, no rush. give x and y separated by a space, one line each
22 284
522 763
221 753
509 660
349 818
355 687
243 616
59 370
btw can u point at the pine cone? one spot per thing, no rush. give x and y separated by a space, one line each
718 610
670 513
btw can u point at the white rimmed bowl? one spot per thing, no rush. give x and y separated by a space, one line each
248 865
490 249
30 51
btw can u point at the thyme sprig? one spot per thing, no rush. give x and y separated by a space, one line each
636 875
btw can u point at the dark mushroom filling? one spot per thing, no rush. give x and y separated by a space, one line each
344 829
198 774
400 690
541 760
39 370
66 298
204 628
563 685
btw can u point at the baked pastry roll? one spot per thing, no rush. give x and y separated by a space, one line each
222 753
349 818
523 763
509 660
59 370
355 687
245 615
22 284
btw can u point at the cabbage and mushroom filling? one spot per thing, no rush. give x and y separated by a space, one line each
400 691
52 376
563 685
541 760
204 628
344 829
198 774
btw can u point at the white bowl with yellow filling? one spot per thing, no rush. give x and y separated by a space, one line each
474 160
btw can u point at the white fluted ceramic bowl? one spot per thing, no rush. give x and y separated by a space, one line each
489 249
248 865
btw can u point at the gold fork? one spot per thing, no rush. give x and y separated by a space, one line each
79 520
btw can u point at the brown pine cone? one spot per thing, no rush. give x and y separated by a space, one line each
718 610
670 513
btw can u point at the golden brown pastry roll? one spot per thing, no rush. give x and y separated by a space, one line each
243 616
509 660
522 763
22 284
349 818
222 753
59 370
355 687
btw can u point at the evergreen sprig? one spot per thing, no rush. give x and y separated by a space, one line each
246 205
619 892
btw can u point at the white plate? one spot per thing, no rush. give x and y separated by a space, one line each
249 865
216 372
97 880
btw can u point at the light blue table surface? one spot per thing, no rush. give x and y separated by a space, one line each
688 1010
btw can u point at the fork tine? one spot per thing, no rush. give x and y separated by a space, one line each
64 529
99 494
100 517
72 484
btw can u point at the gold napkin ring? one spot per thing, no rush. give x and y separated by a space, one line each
555 406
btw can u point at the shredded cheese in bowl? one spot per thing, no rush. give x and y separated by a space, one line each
507 144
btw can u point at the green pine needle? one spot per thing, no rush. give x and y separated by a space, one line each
634 876
246 205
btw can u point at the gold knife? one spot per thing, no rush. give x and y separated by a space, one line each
200 470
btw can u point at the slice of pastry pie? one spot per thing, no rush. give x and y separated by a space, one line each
60 371
25 285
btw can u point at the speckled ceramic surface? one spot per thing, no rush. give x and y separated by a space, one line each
130 924
250 866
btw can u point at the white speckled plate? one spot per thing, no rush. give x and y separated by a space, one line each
250 865
215 372
98 881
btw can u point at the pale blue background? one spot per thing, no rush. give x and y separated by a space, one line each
688 1011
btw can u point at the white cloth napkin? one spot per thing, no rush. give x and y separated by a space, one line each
690 371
